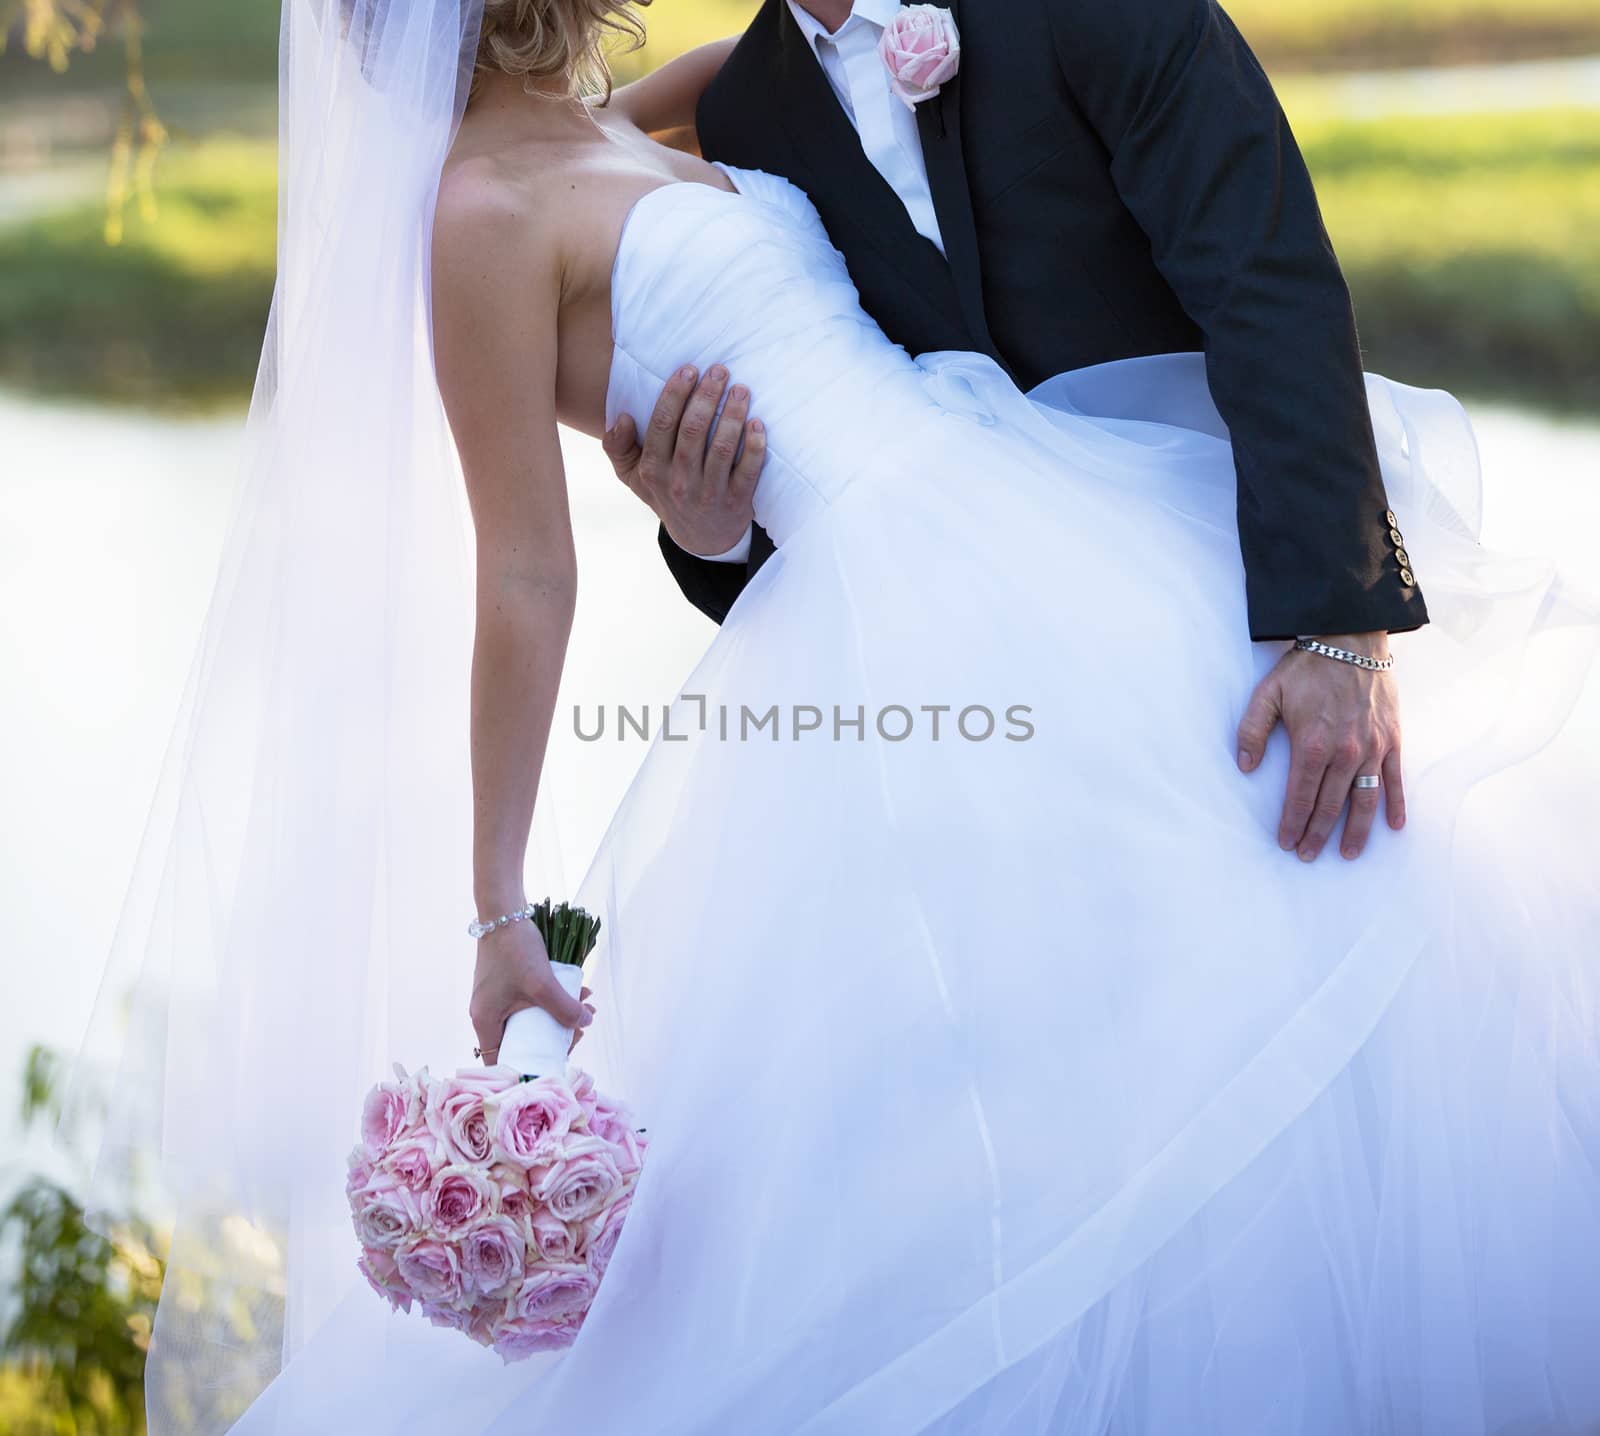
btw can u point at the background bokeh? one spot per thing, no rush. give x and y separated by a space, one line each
1456 146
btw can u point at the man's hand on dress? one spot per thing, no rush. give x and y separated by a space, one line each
1343 722
697 471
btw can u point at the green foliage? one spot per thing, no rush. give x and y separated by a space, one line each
1352 34
235 41
187 42
1287 34
1472 246
72 1352
176 312
1563 144
56 30
85 1311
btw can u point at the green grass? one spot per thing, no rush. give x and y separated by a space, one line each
1472 245
235 41
172 315
1289 35
1346 34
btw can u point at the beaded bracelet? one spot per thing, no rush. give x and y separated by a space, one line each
483 929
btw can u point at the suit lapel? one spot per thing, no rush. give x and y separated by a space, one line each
939 127
827 143
847 188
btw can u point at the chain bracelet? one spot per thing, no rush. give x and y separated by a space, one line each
1344 655
483 929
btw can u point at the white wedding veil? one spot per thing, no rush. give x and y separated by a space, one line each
296 919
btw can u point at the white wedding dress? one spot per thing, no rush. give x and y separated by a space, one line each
1019 1084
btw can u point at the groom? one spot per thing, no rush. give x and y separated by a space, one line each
1099 179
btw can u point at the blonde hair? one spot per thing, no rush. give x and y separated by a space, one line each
540 39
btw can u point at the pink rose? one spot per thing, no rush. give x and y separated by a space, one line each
477 1324
386 1213
578 1184
360 1171
516 1339
414 1161
458 1121
922 49
608 1118
614 1124
551 1293
488 1080
531 1119
383 1276
554 1240
630 1154
431 1269
384 1115
515 1198
458 1197
604 1231
492 1256
583 1090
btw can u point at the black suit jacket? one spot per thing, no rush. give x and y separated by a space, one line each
1112 178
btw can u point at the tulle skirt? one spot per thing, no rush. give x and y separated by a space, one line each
1002 1075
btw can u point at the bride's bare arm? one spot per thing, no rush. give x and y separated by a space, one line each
666 98
496 286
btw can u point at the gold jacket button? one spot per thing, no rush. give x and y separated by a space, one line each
1405 560
1397 538
1390 519
1406 578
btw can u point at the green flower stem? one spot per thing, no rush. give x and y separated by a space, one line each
569 932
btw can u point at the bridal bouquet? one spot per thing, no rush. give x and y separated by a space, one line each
493 1199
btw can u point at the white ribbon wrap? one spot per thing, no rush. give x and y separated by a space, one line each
534 1042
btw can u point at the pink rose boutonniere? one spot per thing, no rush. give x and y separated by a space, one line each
922 49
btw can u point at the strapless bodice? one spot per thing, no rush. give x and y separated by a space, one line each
750 280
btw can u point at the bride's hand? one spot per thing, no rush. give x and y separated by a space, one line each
514 972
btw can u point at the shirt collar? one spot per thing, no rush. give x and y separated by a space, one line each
879 12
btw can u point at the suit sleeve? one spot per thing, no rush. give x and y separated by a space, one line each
1202 155
712 587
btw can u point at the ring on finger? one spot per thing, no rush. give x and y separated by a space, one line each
1367 781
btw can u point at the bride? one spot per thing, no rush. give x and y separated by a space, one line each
1002 1075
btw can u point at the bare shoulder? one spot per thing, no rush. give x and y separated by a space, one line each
491 220
497 282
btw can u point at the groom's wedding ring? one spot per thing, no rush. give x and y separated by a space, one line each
1369 780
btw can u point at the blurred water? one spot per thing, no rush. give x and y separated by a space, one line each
1453 89
111 525
110 529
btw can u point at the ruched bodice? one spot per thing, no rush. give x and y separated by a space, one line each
750 280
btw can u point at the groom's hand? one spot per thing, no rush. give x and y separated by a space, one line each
697 470
1343 722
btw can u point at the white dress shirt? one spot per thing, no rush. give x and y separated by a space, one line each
849 58
888 129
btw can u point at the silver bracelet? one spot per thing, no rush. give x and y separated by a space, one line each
1344 655
483 929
